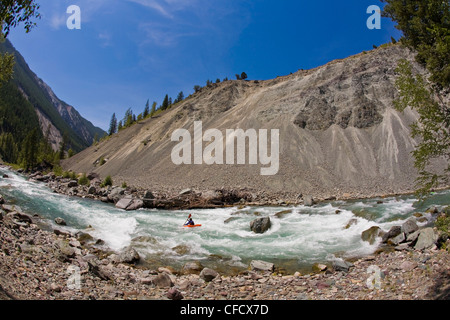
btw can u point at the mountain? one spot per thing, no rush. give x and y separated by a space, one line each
54 115
338 133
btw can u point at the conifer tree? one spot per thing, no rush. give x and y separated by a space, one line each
112 125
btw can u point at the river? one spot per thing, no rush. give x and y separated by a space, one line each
297 239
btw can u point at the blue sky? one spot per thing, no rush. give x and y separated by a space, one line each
128 51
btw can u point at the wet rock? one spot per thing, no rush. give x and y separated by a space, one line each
281 214
319 267
308 200
194 267
258 265
60 221
370 234
350 223
260 225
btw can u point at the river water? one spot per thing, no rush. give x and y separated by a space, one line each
297 239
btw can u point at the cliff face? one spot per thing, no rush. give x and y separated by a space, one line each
338 133
55 116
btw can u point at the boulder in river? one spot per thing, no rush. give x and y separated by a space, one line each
129 204
260 225
60 221
308 201
370 234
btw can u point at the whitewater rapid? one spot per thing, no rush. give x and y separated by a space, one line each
301 236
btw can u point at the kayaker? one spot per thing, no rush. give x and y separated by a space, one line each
189 221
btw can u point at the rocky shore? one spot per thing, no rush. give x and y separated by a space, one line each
131 198
37 263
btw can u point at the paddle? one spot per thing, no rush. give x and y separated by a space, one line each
187 219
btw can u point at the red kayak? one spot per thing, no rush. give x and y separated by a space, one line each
193 226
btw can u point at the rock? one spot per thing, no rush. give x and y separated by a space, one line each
148 195
128 255
370 234
341 265
403 246
72 183
185 191
99 270
92 190
2 201
319 267
260 225
281 214
64 251
116 194
93 175
351 222
194 267
393 232
124 203
308 200
60 221
162 280
395 241
208 274
258 265
413 237
427 238
135 205
408 266
432 210
409 226
84 237
174 294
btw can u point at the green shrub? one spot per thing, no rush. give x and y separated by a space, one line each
107 182
84 181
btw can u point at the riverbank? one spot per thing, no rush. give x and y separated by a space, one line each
36 263
172 199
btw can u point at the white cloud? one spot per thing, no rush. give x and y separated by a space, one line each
57 21
156 5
